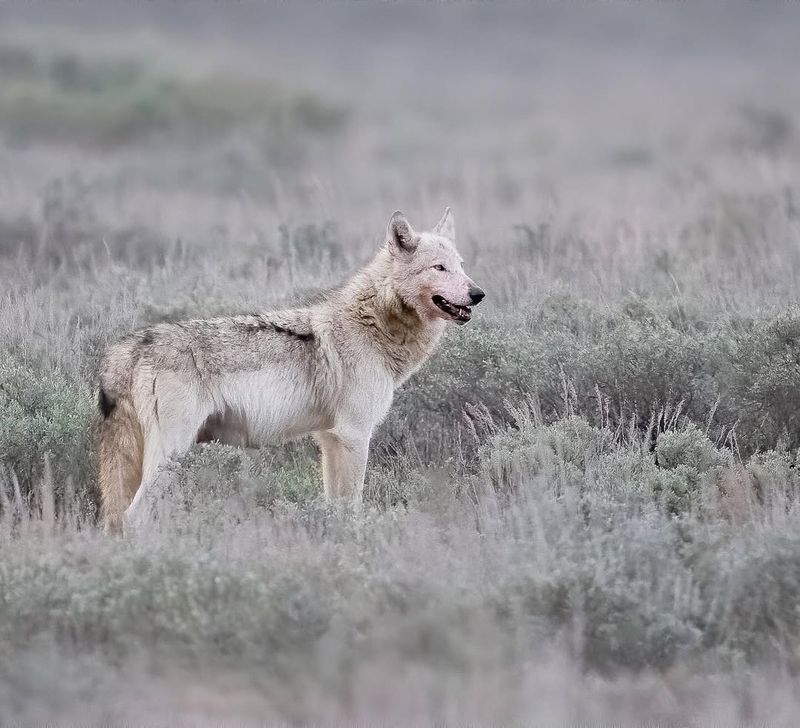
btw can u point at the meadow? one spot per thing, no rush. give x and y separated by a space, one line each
584 510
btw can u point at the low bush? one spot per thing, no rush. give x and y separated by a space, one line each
738 378
43 416
764 386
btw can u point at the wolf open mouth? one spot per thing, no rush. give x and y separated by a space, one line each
459 314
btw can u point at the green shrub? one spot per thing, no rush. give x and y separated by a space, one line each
755 595
219 485
573 454
689 447
774 474
516 455
684 456
764 387
577 358
42 414
609 366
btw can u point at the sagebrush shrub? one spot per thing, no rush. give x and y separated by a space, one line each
764 385
42 414
577 358
219 485
518 453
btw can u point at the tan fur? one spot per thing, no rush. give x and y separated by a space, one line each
120 453
329 370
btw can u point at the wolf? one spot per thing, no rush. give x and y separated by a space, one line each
329 370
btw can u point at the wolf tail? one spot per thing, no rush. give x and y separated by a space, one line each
120 455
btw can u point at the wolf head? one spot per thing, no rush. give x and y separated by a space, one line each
428 272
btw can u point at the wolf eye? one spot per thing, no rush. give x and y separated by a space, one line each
439 266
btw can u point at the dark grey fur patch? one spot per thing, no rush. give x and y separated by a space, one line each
147 337
261 324
105 403
290 332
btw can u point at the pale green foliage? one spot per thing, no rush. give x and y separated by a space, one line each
42 415
527 450
596 464
687 447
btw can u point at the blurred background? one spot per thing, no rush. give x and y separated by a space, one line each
337 112
585 507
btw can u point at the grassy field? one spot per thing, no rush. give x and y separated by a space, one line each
585 509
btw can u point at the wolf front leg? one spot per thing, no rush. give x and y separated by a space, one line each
344 463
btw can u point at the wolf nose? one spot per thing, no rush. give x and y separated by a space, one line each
476 294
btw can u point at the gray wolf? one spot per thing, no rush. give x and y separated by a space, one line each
329 370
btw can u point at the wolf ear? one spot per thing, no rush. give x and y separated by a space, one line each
401 233
446 227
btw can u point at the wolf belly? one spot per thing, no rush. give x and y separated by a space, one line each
268 406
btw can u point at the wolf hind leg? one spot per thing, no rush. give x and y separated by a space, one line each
344 463
147 505
168 440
